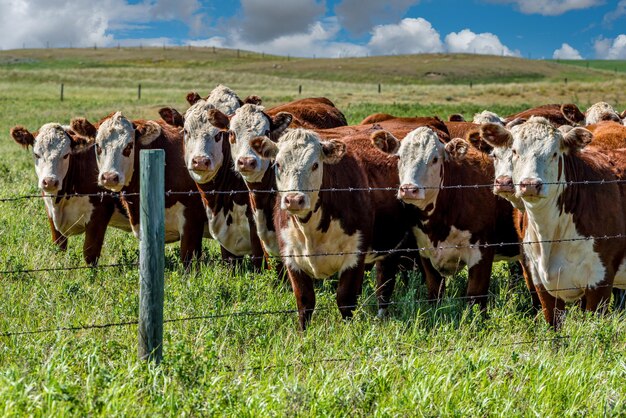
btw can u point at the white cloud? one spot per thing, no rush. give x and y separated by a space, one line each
410 36
359 16
317 41
612 50
566 52
487 43
549 7
619 12
264 20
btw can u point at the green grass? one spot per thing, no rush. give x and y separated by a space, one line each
614 66
425 359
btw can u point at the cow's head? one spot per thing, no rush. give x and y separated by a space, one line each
116 139
299 159
601 111
52 147
227 101
250 122
500 140
487 116
204 130
536 149
421 162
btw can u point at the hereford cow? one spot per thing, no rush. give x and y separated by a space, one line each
454 223
117 145
487 116
596 113
66 167
323 232
567 255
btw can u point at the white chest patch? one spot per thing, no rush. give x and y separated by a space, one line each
565 269
231 231
303 242
267 237
452 254
70 216
174 222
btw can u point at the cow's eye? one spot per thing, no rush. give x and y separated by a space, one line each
66 155
514 152
315 166
98 149
554 155
127 149
435 160
277 166
185 133
37 156
232 138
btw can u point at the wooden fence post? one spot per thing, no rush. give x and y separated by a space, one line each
151 254
62 91
139 91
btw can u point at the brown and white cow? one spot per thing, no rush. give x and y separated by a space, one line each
118 142
567 255
322 232
66 168
596 113
208 161
456 225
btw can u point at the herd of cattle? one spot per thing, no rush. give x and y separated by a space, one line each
296 183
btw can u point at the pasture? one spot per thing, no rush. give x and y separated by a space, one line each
231 344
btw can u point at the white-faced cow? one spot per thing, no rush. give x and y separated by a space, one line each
567 254
596 113
455 223
322 232
118 141
66 167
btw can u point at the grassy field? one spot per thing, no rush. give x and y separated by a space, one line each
424 360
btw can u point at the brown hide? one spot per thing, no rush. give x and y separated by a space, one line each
311 113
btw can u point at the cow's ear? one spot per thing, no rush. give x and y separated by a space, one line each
78 142
147 132
623 115
172 116
278 123
83 127
577 139
473 137
255 100
572 113
218 119
610 116
332 151
22 136
456 117
192 98
496 135
385 142
265 147
456 149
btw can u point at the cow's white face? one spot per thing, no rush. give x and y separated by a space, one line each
115 152
487 117
601 111
299 159
536 150
51 151
224 99
248 123
203 146
420 167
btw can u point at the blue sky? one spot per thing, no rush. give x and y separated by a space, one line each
529 28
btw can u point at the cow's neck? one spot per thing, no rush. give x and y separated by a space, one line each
261 198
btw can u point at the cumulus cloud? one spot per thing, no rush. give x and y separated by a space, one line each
37 23
487 43
410 36
359 16
264 20
549 7
612 50
566 52
318 40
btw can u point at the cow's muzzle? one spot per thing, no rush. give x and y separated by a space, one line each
411 192
503 185
50 184
201 163
294 202
530 187
246 164
110 180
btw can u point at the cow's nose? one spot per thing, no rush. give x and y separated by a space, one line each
503 184
201 163
294 201
410 191
110 178
530 186
246 164
50 183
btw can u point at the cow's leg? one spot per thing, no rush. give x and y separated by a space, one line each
230 258
94 235
530 285
191 239
553 308
349 289
258 255
597 299
435 284
619 299
302 286
386 271
58 238
478 279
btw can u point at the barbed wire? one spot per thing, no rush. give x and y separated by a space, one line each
272 190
